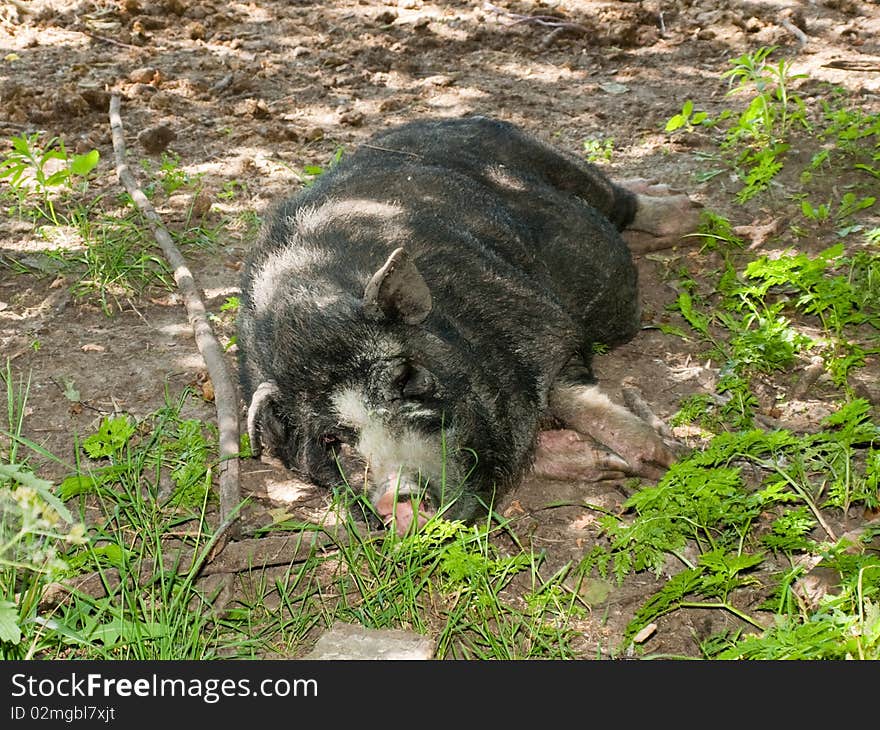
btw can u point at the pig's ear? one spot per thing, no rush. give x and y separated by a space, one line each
259 413
398 291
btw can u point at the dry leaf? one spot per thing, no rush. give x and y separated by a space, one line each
208 390
515 508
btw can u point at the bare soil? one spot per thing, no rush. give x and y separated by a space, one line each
252 93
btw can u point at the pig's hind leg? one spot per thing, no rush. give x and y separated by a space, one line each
663 216
605 441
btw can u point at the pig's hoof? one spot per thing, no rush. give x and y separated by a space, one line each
648 456
567 455
664 214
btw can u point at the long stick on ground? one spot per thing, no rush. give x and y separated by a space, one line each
225 392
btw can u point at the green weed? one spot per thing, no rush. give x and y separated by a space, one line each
151 483
313 172
116 261
598 149
454 571
169 175
36 529
704 506
39 174
688 119
755 141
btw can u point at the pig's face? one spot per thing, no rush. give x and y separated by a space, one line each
381 411
391 429
388 426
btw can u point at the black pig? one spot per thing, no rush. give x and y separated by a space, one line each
429 301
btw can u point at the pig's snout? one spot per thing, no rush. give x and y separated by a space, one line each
401 503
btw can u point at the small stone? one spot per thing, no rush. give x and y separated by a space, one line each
351 641
97 99
300 51
201 204
196 31
256 108
82 146
352 118
148 22
391 105
145 75
141 90
645 634
313 134
441 80
753 25
386 17
156 138
175 6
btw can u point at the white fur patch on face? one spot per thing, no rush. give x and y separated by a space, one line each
387 453
350 407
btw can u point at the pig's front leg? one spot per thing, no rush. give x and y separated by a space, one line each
633 446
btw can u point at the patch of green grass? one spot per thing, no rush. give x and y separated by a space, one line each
170 456
725 518
151 481
35 530
751 336
313 172
450 579
754 141
168 176
845 623
116 261
150 606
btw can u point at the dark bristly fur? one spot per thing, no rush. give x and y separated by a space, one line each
519 246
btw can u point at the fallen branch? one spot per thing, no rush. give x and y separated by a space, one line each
550 21
111 41
225 391
854 64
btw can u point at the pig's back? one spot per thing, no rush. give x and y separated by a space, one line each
497 243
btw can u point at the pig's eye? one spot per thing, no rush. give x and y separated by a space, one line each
329 440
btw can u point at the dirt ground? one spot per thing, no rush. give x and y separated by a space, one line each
255 92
